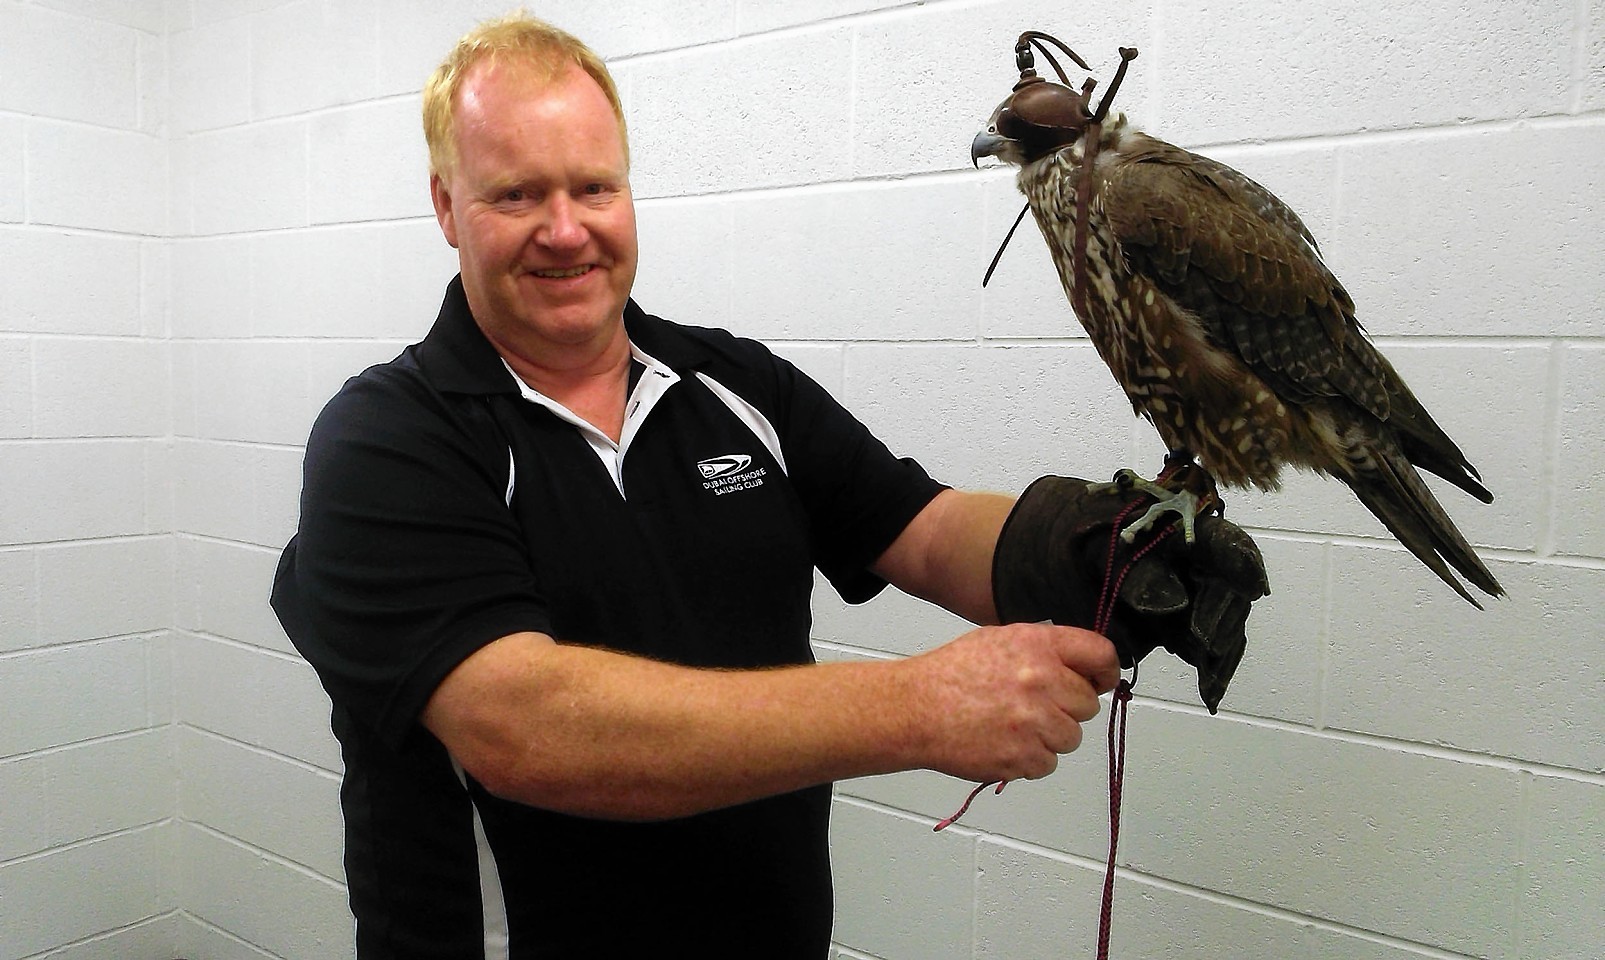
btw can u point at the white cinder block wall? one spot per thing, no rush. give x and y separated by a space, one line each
212 212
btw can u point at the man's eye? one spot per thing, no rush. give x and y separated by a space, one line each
514 196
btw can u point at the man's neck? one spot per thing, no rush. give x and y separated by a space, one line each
590 380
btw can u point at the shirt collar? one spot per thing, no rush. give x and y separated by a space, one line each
457 358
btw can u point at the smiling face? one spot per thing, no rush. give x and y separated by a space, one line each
538 206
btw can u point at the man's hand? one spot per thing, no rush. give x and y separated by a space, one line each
1052 561
1002 703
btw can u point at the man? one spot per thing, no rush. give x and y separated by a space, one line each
554 566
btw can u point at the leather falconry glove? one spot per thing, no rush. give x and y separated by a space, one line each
1053 558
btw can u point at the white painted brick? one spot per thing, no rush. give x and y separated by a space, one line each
248 178
53 282
153 938
1032 905
1470 232
1361 835
415 264
813 265
27 816
82 891
83 69
99 387
179 15
95 178
369 162
276 475
230 583
13 194
159 678
1578 516
1280 676
62 695
212 287
920 95
252 390
1459 385
1565 895
258 698
98 788
151 68
147 16
197 939
687 259
1411 661
158 486
317 283
821 362
991 418
63 490
213 11
902 892
156 287
893 622
1592 94
415 35
180 186
299 819
183 400
312 54
16 387
329 364
19 600
632 27
210 76
764 112
215 489
758 16
1292 71
235 888
104 588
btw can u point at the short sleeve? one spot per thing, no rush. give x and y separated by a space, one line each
858 494
406 559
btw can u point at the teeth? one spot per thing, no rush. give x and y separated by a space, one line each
559 274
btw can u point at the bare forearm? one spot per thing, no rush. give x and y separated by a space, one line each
608 735
602 734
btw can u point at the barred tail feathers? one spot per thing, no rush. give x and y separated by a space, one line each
1395 493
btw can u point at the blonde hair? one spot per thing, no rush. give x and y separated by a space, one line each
531 45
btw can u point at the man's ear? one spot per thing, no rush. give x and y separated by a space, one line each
441 196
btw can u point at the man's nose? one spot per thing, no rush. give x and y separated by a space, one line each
562 229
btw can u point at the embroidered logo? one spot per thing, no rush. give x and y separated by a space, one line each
729 473
723 466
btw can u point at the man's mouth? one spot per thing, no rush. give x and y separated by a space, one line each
561 273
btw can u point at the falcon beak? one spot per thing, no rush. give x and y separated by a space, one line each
987 143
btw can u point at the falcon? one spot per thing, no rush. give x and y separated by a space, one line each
1209 301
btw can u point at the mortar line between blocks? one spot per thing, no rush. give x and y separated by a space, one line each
1396 745
1579 54
259 750
211 927
266 854
56 951
1229 900
95 741
1518 915
86 841
1545 544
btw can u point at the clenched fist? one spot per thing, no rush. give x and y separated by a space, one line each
1002 703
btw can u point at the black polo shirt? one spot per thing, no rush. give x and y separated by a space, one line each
445 505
